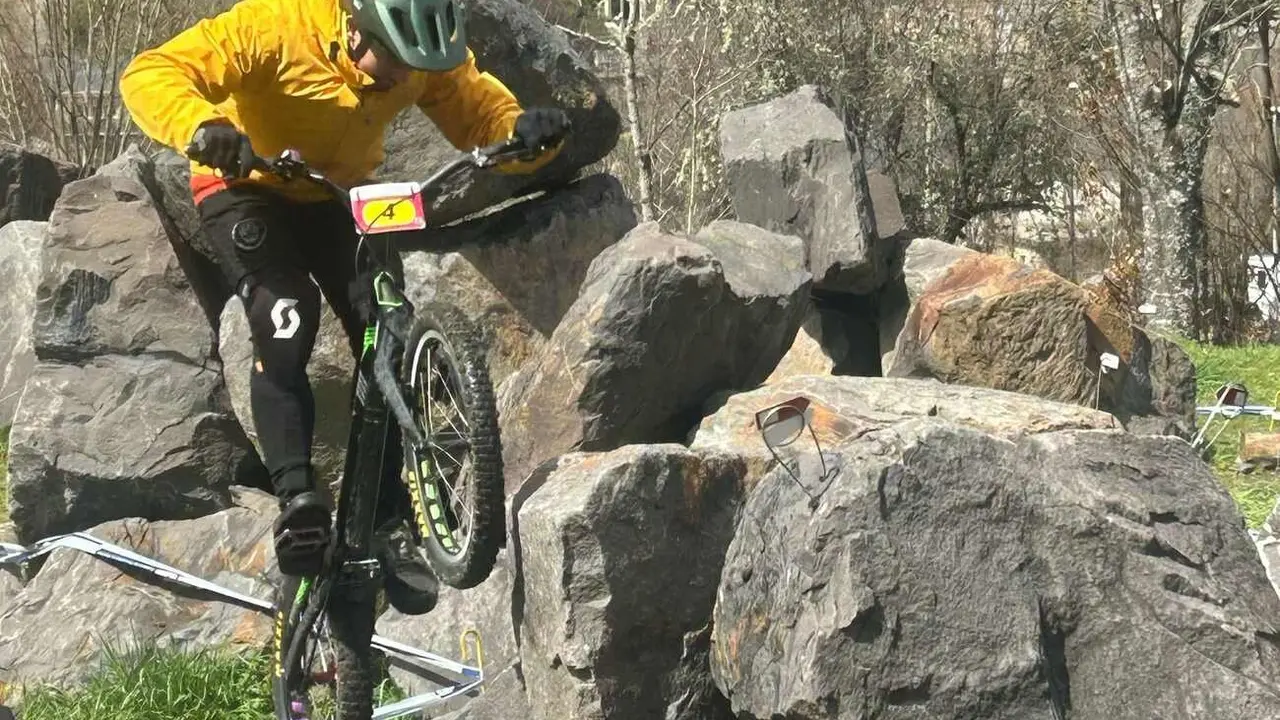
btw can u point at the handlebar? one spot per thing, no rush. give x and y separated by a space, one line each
289 165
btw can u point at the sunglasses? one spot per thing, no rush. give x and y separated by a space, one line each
783 424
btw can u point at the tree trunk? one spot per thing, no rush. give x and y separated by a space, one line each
1172 268
644 161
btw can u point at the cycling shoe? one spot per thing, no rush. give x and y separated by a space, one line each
302 534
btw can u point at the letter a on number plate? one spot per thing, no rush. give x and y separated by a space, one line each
388 207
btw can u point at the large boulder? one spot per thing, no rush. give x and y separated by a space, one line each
29 184
621 554
536 61
329 371
110 280
792 168
659 325
950 573
123 437
55 628
968 317
21 243
515 272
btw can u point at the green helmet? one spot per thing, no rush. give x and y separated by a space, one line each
423 34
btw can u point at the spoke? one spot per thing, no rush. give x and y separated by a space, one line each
453 401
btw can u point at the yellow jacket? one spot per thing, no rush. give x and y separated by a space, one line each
280 71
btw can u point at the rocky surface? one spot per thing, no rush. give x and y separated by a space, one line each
657 327
55 628
110 282
487 609
126 414
791 168
121 437
970 318
29 184
540 67
953 574
620 558
21 243
516 271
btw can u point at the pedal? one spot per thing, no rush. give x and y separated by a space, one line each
300 551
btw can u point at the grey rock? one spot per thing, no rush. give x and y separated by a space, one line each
515 272
111 282
503 699
656 330
766 272
621 554
329 371
122 437
55 628
792 168
485 608
29 184
947 573
21 243
536 61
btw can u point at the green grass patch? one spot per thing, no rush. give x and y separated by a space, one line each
1258 368
148 682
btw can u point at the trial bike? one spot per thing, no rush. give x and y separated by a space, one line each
422 372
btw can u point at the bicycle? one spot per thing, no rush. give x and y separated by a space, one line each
460 532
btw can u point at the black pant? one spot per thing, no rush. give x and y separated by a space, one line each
270 249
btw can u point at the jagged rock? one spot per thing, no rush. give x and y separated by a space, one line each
950 573
123 437
656 330
503 699
540 67
791 168
111 282
172 192
844 407
487 609
29 184
621 553
21 243
329 371
517 271
991 322
54 629
986 320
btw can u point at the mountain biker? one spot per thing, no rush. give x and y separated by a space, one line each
324 77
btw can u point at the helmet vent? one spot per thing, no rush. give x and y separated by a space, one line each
403 27
451 21
433 33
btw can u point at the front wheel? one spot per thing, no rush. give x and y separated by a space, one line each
456 478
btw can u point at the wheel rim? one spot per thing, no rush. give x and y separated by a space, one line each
315 683
444 467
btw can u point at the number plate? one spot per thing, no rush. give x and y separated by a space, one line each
388 207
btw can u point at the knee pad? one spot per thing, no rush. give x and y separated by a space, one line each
284 316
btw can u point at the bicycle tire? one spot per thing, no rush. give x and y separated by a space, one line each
456 341
350 622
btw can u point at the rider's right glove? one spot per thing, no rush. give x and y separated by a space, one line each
541 128
218 144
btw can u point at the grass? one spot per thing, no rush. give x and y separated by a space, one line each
148 682
4 474
1258 368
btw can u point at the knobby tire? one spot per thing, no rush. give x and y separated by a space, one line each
448 327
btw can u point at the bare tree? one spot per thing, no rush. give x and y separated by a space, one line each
1170 64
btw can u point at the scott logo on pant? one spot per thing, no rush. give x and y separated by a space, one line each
286 318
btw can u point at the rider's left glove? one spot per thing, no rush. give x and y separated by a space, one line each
542 128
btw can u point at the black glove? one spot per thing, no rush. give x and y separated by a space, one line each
220 145
541 128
